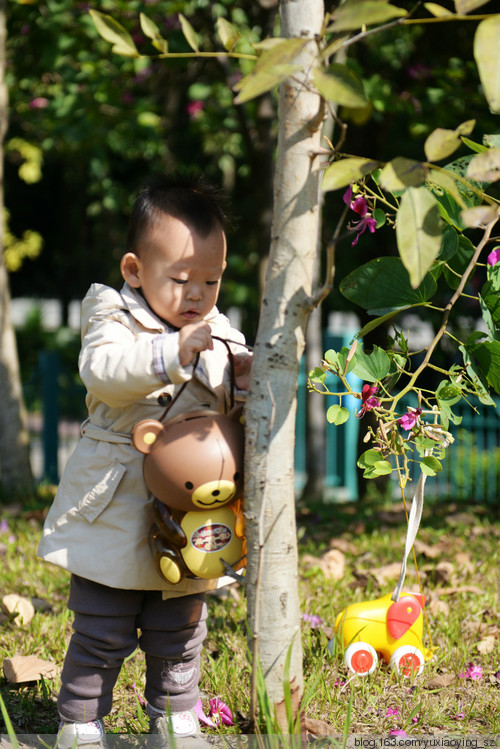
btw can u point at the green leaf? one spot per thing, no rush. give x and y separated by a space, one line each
479 215
465 6
487 56
274 66
401 173
485 167
459 262
380 468
418 232
351 16
383 285
492 140
339 359
368 458
437 10
445 181
493 273
228 34
448 393
441 143
477 147
373 366
337 414
151 30
112 31
345 172
341 85
317 375
449 244
430 465
148 119
381 320
487 355
477 378
189 33
379 216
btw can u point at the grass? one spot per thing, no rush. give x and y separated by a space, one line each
459 565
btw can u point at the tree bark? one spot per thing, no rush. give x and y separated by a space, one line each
273 602
15 469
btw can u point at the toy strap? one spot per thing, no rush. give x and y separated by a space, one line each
411 531
232 380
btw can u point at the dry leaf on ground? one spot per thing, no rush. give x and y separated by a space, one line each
436 606
440 681
464 562
23 668
444 572
22 607
387 572
487 645
332 564
432 552
342 544
317 727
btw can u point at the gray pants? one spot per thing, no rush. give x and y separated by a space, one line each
106 624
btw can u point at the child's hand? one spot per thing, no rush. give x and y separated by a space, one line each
242 367
193 339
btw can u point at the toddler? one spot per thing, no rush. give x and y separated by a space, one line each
138 350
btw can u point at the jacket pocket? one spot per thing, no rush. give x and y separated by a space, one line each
101 494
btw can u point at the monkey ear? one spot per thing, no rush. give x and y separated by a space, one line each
145 434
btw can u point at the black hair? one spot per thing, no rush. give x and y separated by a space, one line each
194 201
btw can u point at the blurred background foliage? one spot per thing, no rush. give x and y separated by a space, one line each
87 127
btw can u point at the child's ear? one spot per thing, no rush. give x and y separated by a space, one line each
145 434
130 266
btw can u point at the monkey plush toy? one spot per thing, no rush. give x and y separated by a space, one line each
193 466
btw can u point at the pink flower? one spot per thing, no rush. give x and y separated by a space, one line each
313 619
472 672
392 711
198 708
397 732
140 698
409 419
221 713
39 102
360 207
475 672
218 710
194 108
338 683
494 256
459 716
368 398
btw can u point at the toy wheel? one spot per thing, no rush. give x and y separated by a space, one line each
408 660
360 658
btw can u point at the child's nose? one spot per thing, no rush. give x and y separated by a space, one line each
194 291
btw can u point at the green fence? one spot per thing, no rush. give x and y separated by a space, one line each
471 469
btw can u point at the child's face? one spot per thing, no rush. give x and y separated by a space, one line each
178 271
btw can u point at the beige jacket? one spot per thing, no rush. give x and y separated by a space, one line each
98 524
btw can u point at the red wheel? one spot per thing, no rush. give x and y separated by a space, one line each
360 658
408 660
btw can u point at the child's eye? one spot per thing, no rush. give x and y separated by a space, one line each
212 283
180 281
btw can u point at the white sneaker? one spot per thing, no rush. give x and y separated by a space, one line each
80 734
180 724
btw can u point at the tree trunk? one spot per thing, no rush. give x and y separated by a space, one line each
15 468
273 602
